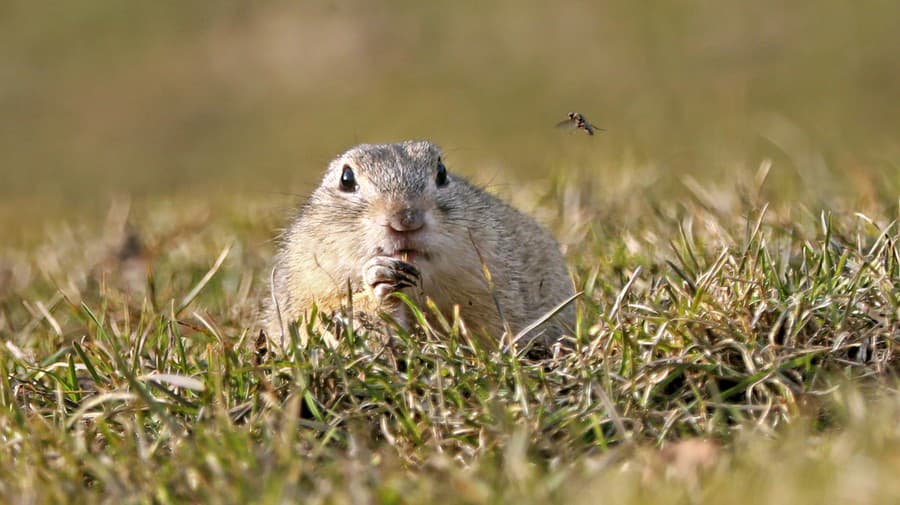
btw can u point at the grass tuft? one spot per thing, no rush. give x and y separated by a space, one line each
715 348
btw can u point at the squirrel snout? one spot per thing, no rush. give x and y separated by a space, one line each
406 220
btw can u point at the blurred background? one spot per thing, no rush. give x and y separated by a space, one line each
202 100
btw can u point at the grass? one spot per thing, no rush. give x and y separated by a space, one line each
728 349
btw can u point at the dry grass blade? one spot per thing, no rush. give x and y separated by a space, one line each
101 399
202 284
541 320
179 381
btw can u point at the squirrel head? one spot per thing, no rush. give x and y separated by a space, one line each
395 199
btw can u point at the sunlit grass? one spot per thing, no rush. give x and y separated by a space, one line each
766 331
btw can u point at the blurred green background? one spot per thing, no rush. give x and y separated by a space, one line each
204 99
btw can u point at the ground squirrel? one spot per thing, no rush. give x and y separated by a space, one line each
390 217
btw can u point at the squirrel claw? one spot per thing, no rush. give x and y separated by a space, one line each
385 275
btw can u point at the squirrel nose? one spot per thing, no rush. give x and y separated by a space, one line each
408 219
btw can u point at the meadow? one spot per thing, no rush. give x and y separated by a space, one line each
734 233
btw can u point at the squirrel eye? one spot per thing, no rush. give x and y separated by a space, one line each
348 180
441 177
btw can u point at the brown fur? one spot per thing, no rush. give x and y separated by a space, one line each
336 234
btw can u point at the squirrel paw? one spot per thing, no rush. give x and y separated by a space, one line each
386 275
